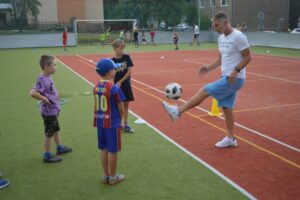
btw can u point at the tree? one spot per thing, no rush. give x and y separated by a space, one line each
21 8
191 12
145 11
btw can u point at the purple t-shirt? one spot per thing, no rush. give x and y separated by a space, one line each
45 86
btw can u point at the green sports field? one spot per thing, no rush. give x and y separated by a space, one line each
154 167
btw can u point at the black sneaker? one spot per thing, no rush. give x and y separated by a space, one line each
63 150
52 159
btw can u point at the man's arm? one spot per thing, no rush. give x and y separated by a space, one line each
125 77
36 95
246 59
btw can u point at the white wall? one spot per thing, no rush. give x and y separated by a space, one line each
94 9
48 11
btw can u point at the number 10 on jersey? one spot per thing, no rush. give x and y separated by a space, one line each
101 103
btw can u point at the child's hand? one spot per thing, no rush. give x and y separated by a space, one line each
122 125
46 101
118 84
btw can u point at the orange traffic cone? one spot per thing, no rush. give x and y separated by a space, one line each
215 111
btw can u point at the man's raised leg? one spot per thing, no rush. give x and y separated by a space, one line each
194 101
174 111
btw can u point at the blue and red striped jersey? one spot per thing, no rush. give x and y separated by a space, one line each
107 96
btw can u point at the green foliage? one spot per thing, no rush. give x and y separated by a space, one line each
21 9
146 11
205 23
192 13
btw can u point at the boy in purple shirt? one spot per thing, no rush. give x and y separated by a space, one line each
45 91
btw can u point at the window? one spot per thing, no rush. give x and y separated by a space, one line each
224 3
213 3
201 3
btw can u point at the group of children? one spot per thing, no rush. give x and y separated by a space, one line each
112 96
143 38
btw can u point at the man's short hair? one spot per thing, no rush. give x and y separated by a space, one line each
46 60
220 15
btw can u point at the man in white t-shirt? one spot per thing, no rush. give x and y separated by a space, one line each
234 55
196 34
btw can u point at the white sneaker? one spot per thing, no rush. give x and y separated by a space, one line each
116 179
172 110
227 142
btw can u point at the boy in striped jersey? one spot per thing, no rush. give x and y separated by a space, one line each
108 114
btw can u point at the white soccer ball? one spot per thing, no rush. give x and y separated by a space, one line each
173 91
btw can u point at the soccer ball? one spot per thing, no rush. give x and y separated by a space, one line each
173 91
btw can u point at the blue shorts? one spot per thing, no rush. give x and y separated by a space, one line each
224 92
110 139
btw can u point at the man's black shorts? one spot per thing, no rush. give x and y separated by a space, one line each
127 91
196 36
51 125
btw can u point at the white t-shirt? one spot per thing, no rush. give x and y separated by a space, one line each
196 30
230 48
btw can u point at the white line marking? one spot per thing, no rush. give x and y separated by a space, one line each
273 77
222 176
236 123
218 173
202 109
260 75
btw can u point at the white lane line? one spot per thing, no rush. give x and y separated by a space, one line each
204 110
236 123
222 176
255 74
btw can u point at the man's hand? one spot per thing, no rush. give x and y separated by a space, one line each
231 77
203 70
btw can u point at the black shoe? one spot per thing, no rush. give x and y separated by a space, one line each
63 150
52 159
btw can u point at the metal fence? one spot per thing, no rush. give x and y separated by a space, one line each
33 24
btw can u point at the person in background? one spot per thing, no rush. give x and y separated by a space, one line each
128 36
244 27
65 38
144 41
121 36
136 37
108 34
196 34
3 183
175 39
152 36
238 27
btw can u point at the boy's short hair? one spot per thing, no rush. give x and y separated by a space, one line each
46 60
117 43
220 15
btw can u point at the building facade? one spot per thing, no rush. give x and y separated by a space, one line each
264 15
62 11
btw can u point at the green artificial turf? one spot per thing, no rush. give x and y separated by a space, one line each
154 168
